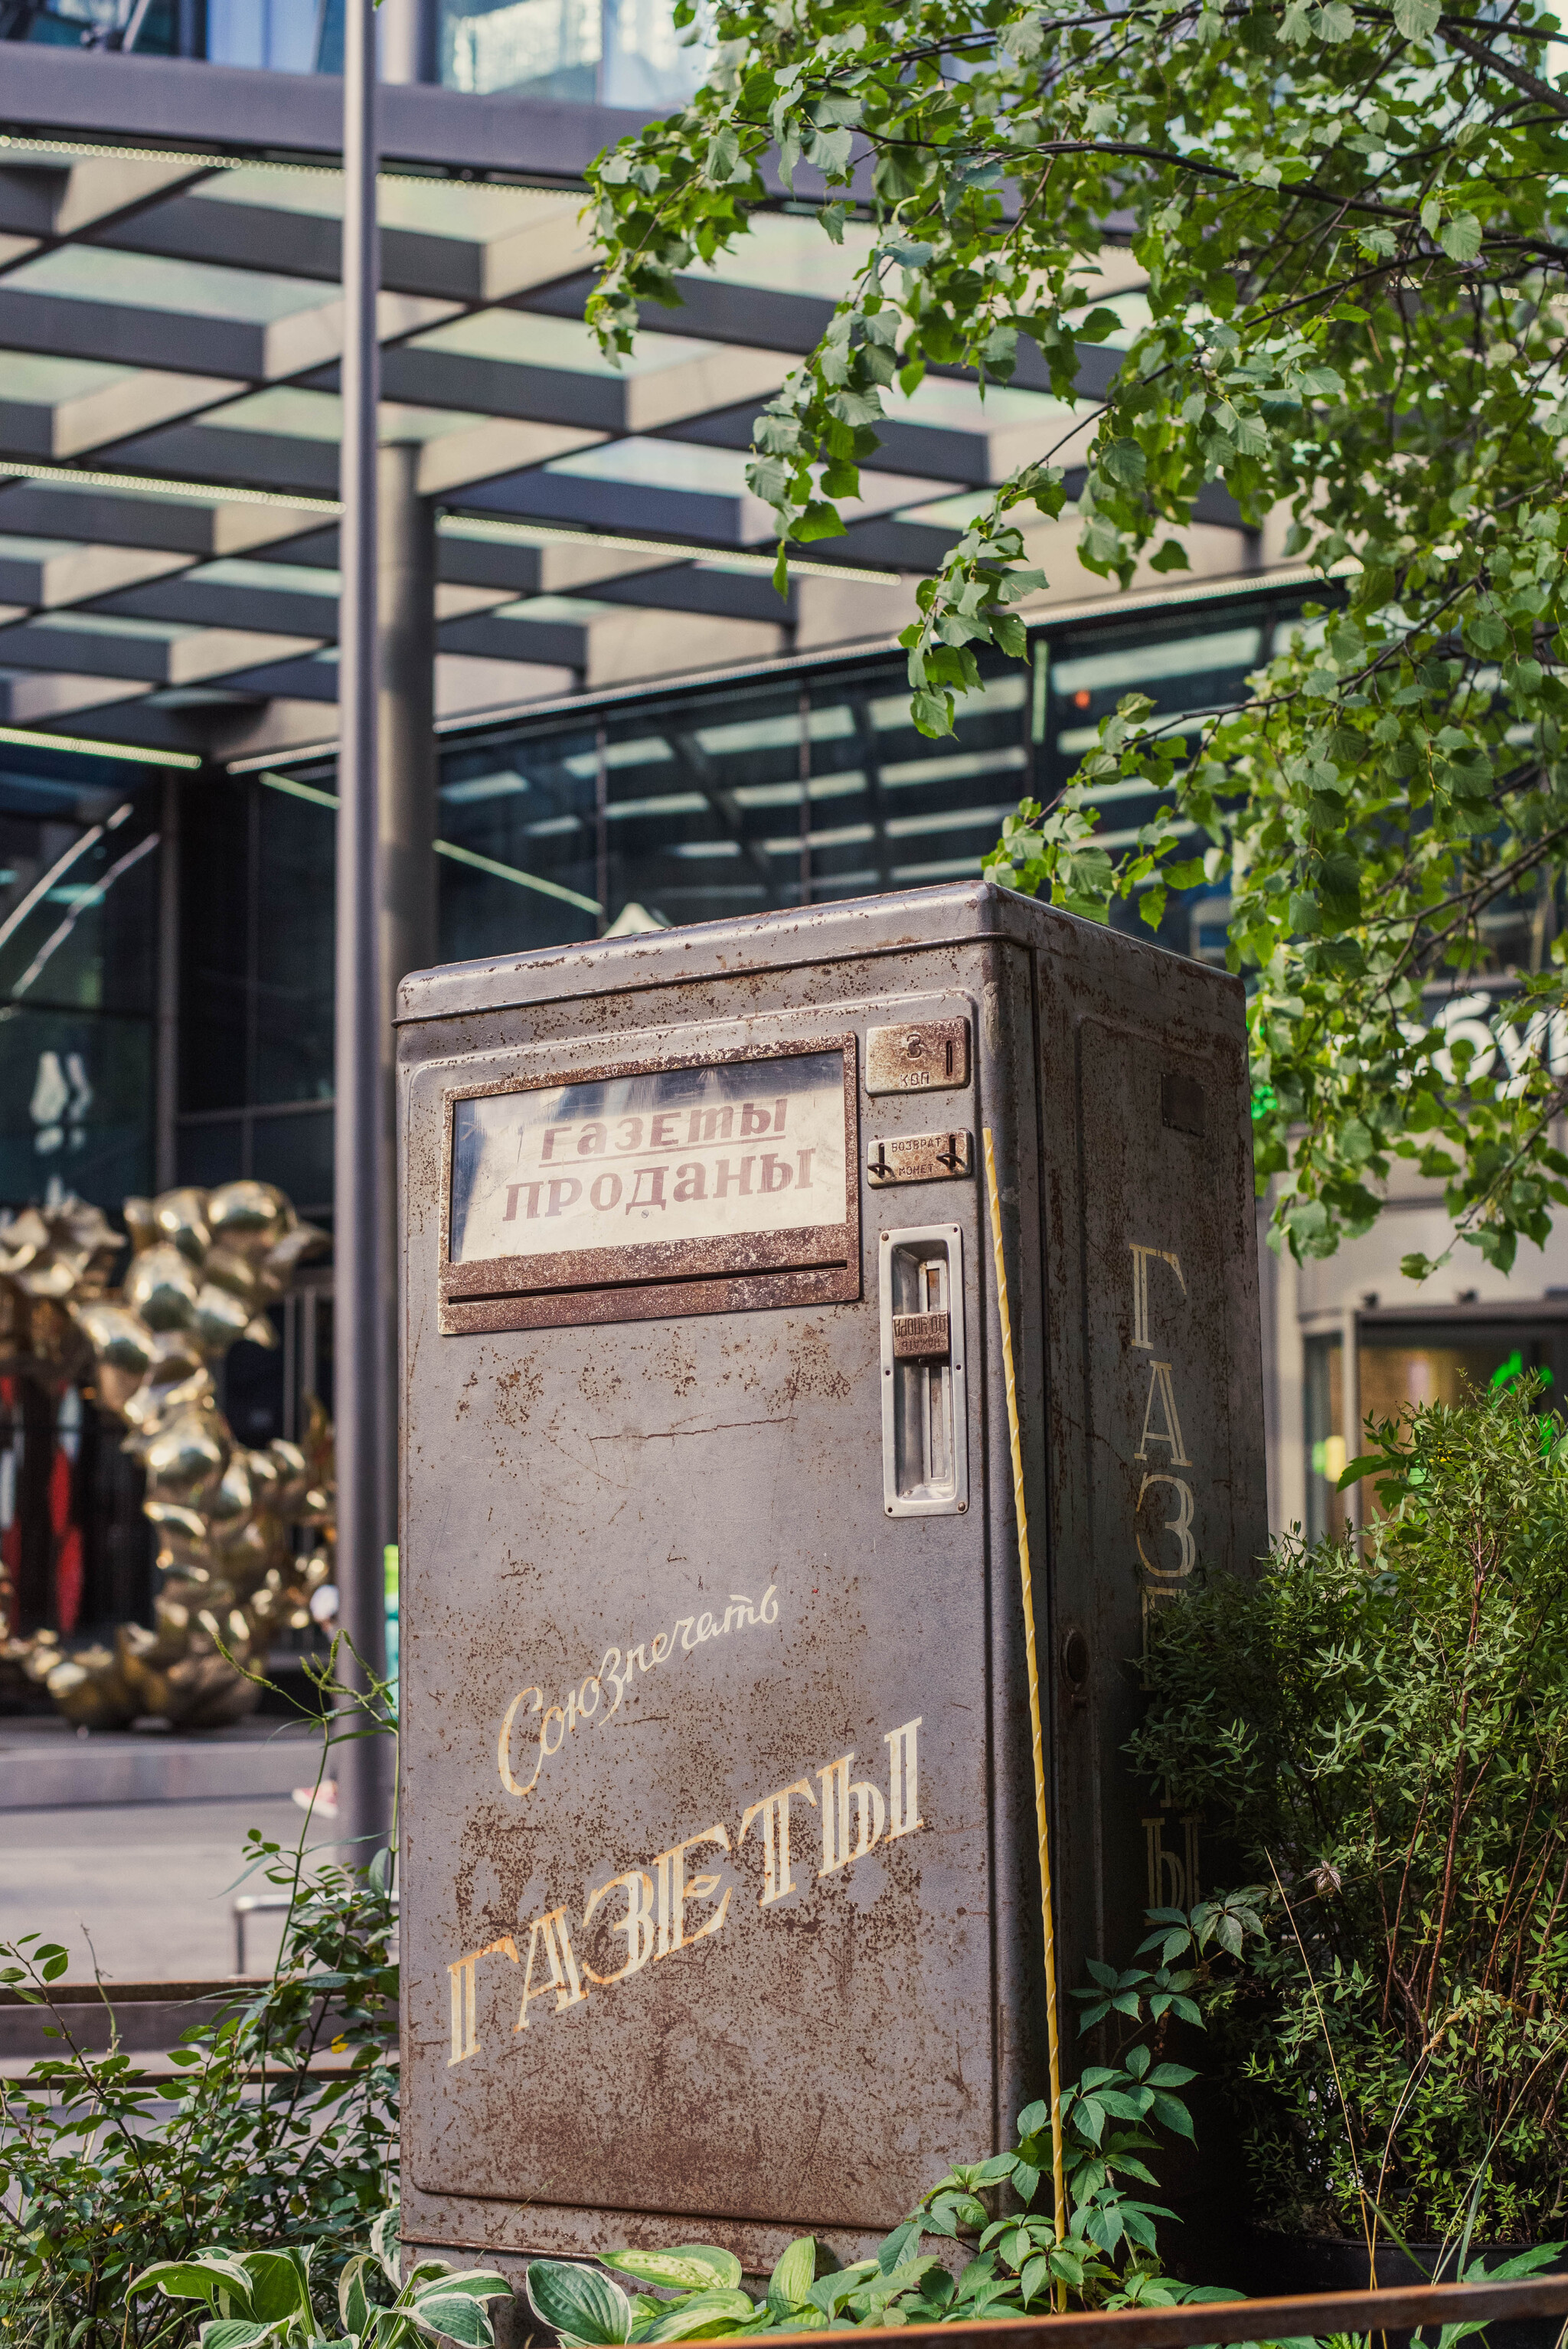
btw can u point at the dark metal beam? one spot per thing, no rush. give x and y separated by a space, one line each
181 102
363 1375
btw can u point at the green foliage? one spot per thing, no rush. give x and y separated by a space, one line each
105 2166
259 2297
1109 2258
1338 301
1383 1741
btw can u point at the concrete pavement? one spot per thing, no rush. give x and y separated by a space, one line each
148 1885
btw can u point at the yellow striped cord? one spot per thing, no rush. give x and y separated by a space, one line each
1041 1816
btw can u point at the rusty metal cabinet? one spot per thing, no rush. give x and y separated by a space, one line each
720 1906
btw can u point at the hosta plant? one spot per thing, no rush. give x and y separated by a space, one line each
259 2297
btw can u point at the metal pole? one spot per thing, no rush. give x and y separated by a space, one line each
407 792
805 770
602 828
167 1070
363 1170
409 40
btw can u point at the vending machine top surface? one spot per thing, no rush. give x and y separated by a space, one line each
900 922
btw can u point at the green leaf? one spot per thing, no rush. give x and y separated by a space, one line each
819 520
353 2303
1174 2114
202 2278
894 2246
578 2304
474 2283
688 2267
1124 462
453 2315
1035 2279
794 2273
454 2305
385 2245
280 2284
933 713
702 2317
1461 237
1416 20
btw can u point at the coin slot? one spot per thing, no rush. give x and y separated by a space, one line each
922 1056
924 1424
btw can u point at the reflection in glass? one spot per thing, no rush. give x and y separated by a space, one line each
78 894
1453 1366
1327 1452
613 52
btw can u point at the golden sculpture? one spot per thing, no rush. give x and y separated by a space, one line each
204 1266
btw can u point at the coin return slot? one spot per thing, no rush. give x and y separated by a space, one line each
919 1158
926 1469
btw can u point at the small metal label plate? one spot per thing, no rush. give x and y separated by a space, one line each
1182 1105
928 1055
920 1158
922 1337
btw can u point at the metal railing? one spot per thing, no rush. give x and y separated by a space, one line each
252 1904
1310 2317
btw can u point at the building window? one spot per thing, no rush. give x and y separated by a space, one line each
1327 1451
1400 1365
79 924
257 927
670 806
613 52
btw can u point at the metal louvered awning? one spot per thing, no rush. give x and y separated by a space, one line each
170 331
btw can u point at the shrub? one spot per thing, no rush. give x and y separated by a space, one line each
104 2166
1380 1730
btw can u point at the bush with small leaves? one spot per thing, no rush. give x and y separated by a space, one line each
1378 1732
106 2164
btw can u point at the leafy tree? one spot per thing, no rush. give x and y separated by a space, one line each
1349 222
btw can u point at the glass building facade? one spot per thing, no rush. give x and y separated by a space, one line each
80 844
166 980
620 53
800 785
167 947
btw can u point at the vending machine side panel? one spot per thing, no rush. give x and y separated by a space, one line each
1155 1404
